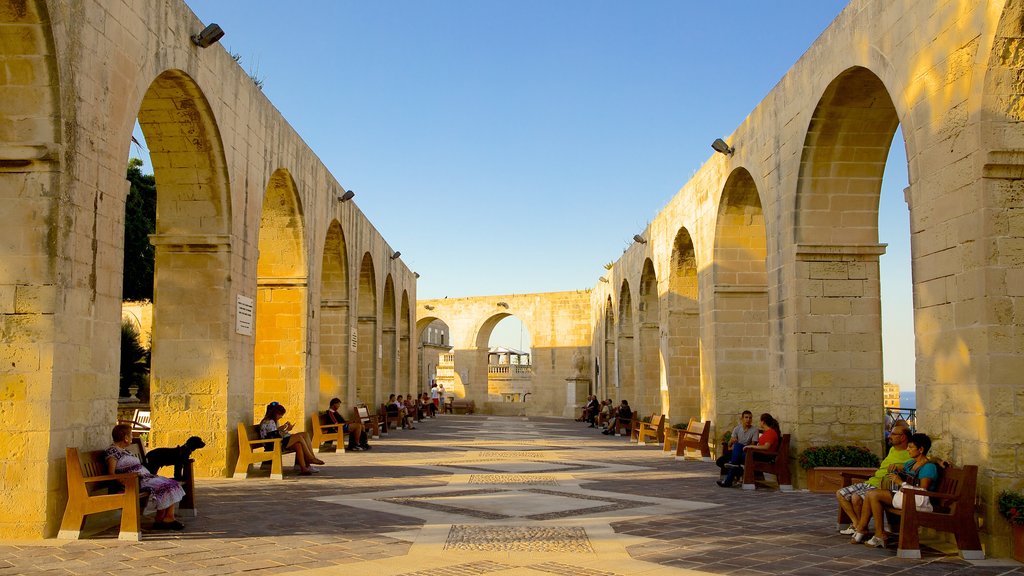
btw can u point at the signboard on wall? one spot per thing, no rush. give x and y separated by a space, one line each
355 339
244 315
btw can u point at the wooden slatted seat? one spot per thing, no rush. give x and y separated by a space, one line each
91 490
653 430
778 465
953 511
322 431
370 421
694 437
253 450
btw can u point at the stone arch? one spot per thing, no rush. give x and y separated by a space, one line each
839 326
335 339
481 381
389 340
652 390
740 314
683 357
366 335
281 293
625 347
405 380
192 296
610 381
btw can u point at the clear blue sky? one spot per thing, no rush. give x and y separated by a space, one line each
515 147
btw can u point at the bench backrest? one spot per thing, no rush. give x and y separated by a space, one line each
960 483
82 465
362 413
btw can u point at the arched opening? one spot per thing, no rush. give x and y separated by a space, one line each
625 347
838 324
281 286
740 315
389 340
335 340
509 362
608 368
405 382
436 360
366 335
652 392
683 359
193 299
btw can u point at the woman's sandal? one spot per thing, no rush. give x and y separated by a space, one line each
876 541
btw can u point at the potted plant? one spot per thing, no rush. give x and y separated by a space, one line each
825 465
1011 507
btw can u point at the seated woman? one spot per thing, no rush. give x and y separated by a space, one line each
164 493
767 441
917 471
427 406
270 428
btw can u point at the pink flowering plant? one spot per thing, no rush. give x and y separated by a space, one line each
835 455
1011 506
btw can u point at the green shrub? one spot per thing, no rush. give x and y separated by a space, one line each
835 455
1011 506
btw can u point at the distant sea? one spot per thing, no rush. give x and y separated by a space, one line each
908 399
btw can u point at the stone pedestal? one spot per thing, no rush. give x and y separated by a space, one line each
576 391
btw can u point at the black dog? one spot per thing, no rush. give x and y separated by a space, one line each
177 457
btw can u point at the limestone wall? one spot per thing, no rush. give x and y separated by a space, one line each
245 209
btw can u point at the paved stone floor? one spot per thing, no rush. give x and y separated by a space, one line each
468 495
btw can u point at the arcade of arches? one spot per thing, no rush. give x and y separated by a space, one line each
758 286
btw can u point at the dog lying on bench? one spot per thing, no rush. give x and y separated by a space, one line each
177 457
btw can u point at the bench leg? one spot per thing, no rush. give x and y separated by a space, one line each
241 468
71 525
276 471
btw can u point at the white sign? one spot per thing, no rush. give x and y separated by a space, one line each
380 350
244 315
355 339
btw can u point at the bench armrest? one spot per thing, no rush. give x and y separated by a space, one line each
119 477
258 442
919 492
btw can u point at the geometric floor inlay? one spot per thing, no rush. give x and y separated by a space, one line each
526 503
518 539
511 479
482 567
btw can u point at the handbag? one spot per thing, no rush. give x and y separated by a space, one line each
921 502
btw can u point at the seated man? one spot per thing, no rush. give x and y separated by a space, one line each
623 419
744 434
590 410
399 406
851 498
356 431
767 441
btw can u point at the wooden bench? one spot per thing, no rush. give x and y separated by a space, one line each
467 406
694 437
777 466
370 421
254 450
653 430
392 419
187 506
953 511
319 426
91 490
141 422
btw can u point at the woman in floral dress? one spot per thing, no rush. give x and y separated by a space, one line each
164 493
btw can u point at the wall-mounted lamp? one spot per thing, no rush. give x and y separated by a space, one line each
428 306
346 196
416 274
208 37
721 147
603 279
503 305
396 255
639 239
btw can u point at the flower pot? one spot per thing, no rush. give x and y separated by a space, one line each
1018 542
830 479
